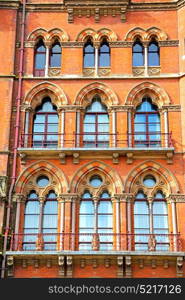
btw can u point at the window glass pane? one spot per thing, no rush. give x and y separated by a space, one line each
53 119
103 118
31 221
96 106
50 207
138 59
89 118
140 118
105 195
160 207
160 221
154 127
42 181
48 107
89 127
141 221
153 59
141 207
104 221
104 60
137 47
105 207
95 181
52 128
140 195
55 60
89 49
39 118
149 181
32 207
88 60
40 60
146 106
86 195
49 221
86 207
159 195
153 118
140 128
103 128
86 221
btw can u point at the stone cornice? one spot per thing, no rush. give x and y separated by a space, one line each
9 4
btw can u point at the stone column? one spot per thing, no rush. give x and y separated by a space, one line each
114 137
172 199
95 239
146 58
61 218
166 131
116 201
47 59
40 238
130 128
96 45
18 239
77 137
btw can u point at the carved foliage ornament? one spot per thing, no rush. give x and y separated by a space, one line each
3 186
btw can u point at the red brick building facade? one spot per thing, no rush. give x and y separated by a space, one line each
92 170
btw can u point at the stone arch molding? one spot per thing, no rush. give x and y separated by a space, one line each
146 34
45 89
26 180
157 94
86 94
168 181
48 35
97 35
112 178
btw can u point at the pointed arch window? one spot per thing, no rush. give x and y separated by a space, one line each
49 221
31 221
45 125
153 54
40 59
147 125
141 221
104 54
105 222
55 55
89 54
86 222
137 54
160 221
96 125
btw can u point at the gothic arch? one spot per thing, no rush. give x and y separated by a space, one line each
59 180
156 32
58 33
145 35
155 92
109 34
86 94
93 167
45 89
97 35
88 32
152 168
37 33
134 33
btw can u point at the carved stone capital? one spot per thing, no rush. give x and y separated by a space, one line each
3 186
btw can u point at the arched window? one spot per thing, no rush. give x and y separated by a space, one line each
45 125
160 221
89 54
153 54
147 125
105 222
96 125
137 54
141 222
31 221
49 221
40 59
104 54
86 222
55 55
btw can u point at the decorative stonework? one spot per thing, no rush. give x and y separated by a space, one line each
96 8
146 34
172 107
104 71
88 72
178 198
48 36
3 186
179 266
169 43
54 71
128 266
120 262
154 71
138 71
10 266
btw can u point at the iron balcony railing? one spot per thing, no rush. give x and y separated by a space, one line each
98 140
96 242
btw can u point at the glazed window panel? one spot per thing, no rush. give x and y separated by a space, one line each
40 59
105 223
137 54
104 54
153 54
86 223
89 55
55 56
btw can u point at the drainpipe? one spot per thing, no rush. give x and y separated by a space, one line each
18 103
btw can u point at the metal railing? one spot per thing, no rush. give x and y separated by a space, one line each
96 242
98 140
